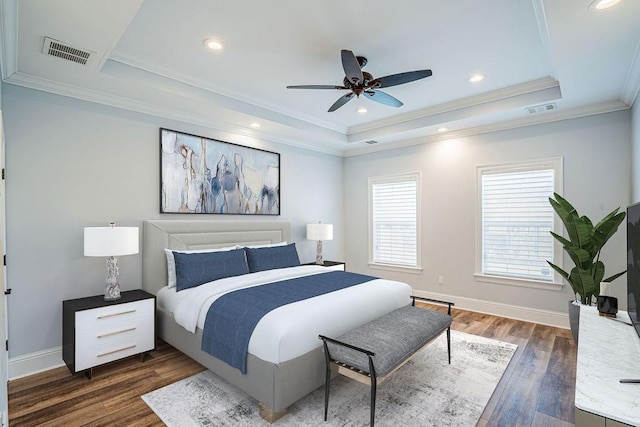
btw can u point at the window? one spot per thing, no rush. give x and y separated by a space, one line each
516 218
394 213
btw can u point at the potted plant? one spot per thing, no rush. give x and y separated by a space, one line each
583 247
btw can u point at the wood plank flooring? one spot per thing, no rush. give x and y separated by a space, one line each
536 390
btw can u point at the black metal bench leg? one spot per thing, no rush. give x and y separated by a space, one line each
374 386
374 389
327 381
449 343
327 378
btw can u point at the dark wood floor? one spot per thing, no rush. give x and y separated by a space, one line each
536 390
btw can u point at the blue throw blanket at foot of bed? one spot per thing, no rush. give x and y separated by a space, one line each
232 318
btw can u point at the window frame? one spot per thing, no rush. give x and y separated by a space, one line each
414 176
555 163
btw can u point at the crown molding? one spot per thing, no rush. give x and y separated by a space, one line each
544 85
90 95
545 38
574 113
118 55
8 37
539 91
631 87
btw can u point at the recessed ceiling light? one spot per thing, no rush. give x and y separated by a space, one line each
475 78
362 110
213 44
443 129
603 4
255 125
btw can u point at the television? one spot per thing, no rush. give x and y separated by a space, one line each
633 264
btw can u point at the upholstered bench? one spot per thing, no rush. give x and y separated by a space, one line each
375 350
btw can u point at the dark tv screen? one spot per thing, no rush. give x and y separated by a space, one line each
633 263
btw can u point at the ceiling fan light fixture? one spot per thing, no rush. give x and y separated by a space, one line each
603 4
213 44
475 78
362 110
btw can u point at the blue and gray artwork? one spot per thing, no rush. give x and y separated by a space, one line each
201 175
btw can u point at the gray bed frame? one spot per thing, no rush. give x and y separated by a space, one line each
274 386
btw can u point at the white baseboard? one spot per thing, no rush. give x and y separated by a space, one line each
544 317
33 363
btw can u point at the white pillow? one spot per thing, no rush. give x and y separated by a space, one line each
266 245
171 264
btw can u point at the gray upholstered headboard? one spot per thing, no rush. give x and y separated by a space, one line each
200 234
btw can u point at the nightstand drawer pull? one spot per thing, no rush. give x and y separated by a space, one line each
116 351
104 316
108 334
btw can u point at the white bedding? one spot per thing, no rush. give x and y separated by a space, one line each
291 330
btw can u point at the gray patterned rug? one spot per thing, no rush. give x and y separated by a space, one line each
425 392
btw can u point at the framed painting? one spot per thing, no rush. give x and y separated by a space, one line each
205 176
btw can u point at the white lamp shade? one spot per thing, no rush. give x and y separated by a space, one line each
319 231
110 241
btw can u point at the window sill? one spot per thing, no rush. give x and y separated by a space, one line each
522 283
398 268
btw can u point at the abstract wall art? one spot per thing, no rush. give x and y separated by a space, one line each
206 176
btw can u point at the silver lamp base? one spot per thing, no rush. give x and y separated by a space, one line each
319 259
112 286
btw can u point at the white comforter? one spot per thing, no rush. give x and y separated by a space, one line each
291 330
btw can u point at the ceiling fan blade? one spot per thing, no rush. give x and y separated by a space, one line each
383 98
341 101
401 78
316 87
351 67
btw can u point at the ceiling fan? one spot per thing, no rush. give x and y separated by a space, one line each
360 82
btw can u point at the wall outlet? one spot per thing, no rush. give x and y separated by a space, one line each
440 280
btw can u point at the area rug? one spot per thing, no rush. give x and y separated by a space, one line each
425 392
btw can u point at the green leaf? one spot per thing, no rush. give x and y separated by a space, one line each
561 239
559 270
606 228
614 277
597 272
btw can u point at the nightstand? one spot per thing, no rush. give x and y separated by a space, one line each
95 331
334 265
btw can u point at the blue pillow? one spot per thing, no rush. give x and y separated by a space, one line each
194 269
260 259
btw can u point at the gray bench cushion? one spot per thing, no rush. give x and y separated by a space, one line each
393 337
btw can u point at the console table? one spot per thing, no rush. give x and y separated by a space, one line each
608 351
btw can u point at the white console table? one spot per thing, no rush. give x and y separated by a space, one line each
608 351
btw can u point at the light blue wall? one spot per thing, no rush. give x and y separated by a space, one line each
72 164
597 170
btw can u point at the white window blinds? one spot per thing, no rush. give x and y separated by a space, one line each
516 220
394 216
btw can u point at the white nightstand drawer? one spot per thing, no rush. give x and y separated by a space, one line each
103 318
105 348
114 333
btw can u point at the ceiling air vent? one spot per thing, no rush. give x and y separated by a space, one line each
541 108
65 51
371 142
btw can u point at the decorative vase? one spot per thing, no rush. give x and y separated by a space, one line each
574 319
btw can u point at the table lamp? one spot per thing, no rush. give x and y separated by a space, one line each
319 232
111 242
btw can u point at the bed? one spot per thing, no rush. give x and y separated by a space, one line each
274 383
